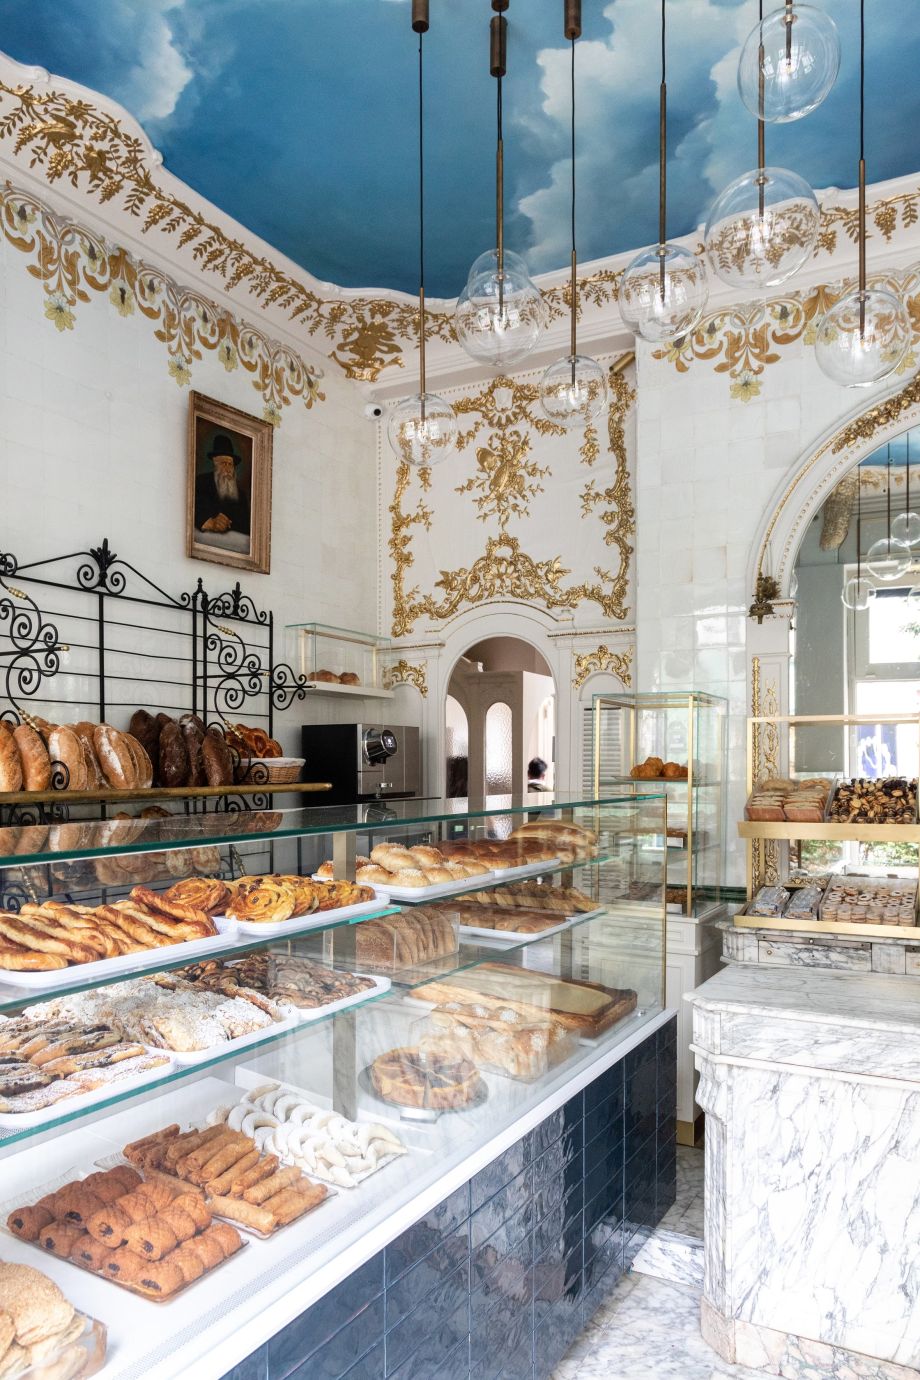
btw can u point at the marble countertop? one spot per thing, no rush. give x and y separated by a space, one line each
868 1000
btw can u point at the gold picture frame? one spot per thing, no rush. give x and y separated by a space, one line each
229 486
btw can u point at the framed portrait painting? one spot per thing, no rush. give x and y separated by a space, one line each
229 486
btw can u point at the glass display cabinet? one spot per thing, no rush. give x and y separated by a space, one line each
676 741
338 661
285 1089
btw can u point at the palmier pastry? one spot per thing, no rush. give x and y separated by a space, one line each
217 758
10 761
28 1222
263 902
174 763
36 764
65 747
207 894
114 757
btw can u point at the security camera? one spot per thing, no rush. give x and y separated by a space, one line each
373 410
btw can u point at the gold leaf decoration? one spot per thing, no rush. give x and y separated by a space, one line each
603 659
401 673
76 141
72 263
505 481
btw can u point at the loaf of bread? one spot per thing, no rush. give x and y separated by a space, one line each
405 940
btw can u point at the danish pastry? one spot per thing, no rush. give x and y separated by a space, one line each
207 894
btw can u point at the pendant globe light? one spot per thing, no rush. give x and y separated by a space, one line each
421 429
789 63
574 389
888 559
906 526
763 227
663 292
864 336
857 592
499 315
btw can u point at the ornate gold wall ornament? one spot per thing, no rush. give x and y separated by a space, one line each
77 141
603 659
766 591
72 263
505 482
401 673
743 341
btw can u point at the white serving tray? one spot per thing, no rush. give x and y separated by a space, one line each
23 1121
304 1014
124 963
507 874
439 889
317 920
187 1058
505 938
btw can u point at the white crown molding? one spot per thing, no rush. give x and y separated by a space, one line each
601 329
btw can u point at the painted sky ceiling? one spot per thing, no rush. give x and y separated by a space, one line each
297 117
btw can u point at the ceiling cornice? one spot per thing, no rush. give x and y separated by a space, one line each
100 163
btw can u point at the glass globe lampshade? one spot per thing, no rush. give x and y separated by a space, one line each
750 247
857 593
422 429
797 74
887 559
499 317
573 390
663 292
863 338
906 528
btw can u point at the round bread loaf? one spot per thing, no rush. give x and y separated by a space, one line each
114 757
95 780
143 767
65 747
372 875
426 857
146 729
411 876
34 759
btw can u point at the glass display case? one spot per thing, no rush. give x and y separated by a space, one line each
235 1068
338 661
675 740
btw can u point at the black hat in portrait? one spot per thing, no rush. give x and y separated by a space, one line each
221 503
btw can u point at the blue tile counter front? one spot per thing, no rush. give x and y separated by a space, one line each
497 1281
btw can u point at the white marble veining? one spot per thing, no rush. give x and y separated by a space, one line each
648 1330
811 1085
672 1256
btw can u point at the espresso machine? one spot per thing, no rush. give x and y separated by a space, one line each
364 762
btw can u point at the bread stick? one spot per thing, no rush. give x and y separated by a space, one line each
260 1192
223 1183
247 1214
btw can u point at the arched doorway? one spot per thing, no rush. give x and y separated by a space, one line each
502 692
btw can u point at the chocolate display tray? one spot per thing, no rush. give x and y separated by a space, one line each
52 1187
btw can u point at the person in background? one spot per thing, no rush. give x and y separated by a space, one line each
536 774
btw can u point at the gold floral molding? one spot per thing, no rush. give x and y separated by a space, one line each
75 141
743 341
401 673
72 263
505 570
603 659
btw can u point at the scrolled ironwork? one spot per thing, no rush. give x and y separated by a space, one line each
286 686
34 650
233 603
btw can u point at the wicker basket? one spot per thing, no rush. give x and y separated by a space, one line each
281 770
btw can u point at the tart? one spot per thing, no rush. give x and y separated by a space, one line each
438 1081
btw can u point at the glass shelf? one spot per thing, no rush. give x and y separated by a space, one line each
78 839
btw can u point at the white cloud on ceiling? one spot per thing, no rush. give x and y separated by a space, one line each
711 139
151 87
